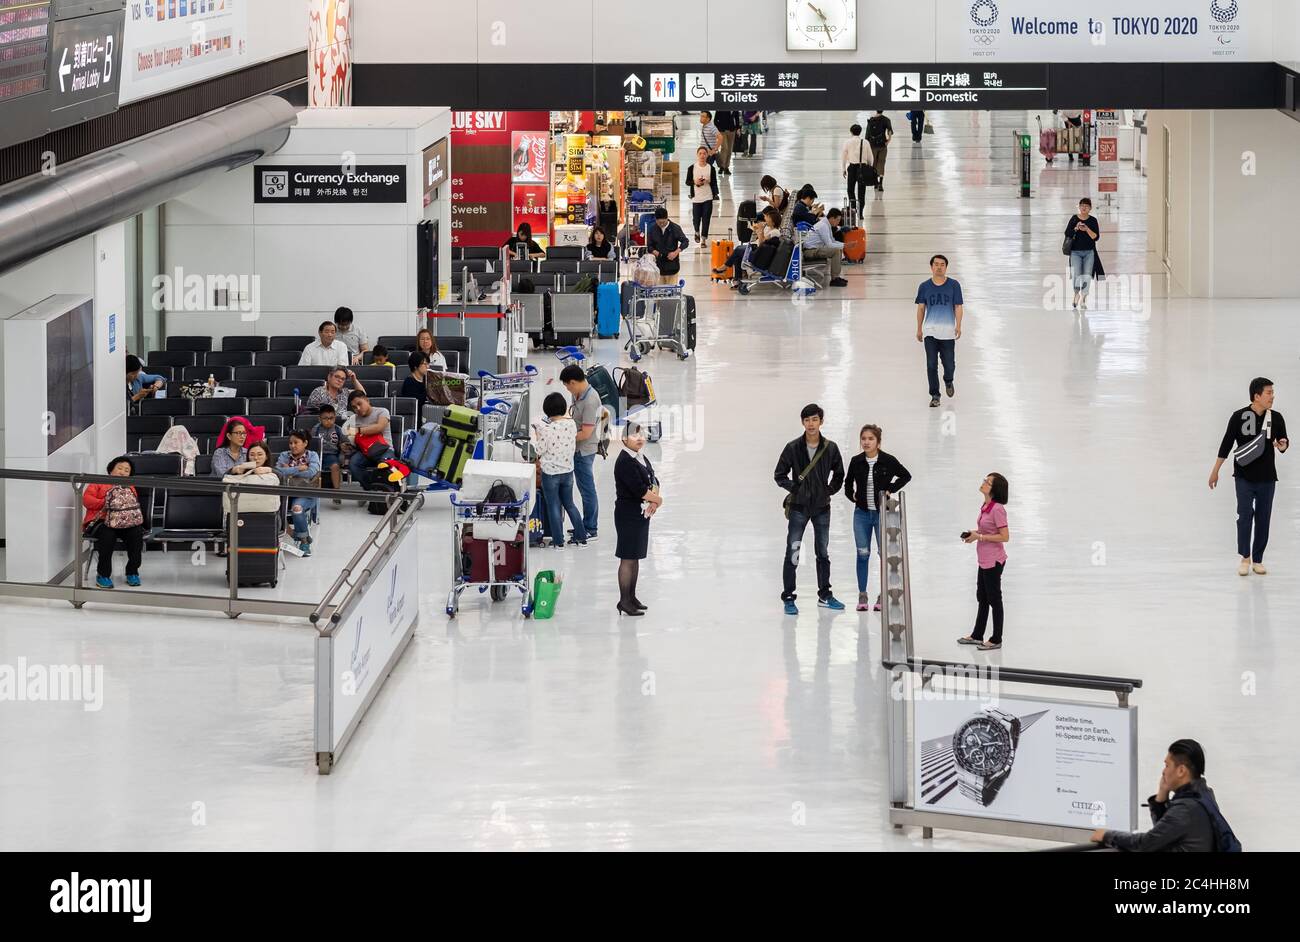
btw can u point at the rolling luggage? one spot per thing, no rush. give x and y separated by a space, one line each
259 549
608 314
746 214
625 298
460 432
606 388
425 449
855 240
719 251
507 557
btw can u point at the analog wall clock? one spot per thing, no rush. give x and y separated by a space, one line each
821 24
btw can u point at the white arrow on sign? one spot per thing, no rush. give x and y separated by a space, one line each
876 83
632 83
64 69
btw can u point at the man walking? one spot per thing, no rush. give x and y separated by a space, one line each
709 135
811 469
586 415
1185 816
880 131
939 310
1256 431
726 122
856 158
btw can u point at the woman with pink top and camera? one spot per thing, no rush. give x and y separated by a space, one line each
989 536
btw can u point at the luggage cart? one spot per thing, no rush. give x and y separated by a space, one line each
643 321
465 514
636 215
507 406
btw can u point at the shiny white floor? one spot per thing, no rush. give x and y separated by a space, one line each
716 721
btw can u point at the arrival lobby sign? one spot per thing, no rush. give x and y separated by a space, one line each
1060 763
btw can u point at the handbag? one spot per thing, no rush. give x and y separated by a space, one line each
122 509
1248 452
1068 245
445 389
789 498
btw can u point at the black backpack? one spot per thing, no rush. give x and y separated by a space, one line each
499 493
1225 842
876 131
634 387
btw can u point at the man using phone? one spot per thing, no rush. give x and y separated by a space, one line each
1253 435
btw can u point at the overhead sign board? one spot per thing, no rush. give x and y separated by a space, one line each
329 183
171 44
437 160
86 64
24 47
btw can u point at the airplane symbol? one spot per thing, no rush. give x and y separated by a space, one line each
905 88
632 83
906 85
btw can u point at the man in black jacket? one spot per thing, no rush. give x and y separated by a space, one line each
726 123
1181 819
665 241
811 469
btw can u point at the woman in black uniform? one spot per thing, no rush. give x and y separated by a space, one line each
637 499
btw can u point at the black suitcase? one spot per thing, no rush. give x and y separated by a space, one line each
259 549
690 321
625 297
668 320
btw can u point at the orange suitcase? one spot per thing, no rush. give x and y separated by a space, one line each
719 251
855 245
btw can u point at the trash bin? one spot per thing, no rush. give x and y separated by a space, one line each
546 592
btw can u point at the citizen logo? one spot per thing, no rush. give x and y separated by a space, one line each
1087 805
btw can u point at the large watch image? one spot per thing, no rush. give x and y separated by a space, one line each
984 747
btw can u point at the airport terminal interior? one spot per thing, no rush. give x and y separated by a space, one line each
717 719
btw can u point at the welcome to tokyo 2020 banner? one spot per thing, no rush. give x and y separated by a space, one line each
1096 31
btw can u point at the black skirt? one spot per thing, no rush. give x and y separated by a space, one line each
633 529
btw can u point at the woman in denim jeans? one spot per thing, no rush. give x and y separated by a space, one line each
300 463
555 438
1083 233
872 476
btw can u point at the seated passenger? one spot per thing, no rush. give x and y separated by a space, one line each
820 243
332 443
335 391
599 245
300 464
425 343
805 211
257 465
764 241
232 447
521 244
328 350
139 384
113 513
380 357
369 431
413 386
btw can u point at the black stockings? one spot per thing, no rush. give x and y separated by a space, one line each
628 570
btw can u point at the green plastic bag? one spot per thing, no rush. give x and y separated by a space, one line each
546 592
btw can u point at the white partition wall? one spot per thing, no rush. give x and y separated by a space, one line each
303 259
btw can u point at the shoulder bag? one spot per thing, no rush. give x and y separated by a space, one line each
1248 452
789 498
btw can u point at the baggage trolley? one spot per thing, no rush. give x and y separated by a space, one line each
498 586
506 406
643 321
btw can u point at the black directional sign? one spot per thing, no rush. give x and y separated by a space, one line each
86 64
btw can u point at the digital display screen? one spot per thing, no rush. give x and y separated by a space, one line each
24 47
70 381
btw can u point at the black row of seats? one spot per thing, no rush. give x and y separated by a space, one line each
491 253
200 415
256 342
592 266
245 351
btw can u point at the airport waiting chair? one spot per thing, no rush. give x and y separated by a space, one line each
235 405
285 387
306 372
190 518
173 406
148 424
203 465
251 342
278 405
194 344
268 373
521 266
368 373
228 358
473 252
274 424
604 268
251 388
208 424
291 342
282 358
558 266
564 253
173 358
200 374
397 342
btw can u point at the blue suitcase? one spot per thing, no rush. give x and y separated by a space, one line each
425 449
608 304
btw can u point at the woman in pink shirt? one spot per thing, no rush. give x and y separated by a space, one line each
989 535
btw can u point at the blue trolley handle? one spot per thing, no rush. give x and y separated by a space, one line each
528 368
569 353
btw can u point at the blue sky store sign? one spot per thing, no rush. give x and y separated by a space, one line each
1093 31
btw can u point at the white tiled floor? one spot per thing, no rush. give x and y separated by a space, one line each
702 724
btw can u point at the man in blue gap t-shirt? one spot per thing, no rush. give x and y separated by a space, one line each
938 324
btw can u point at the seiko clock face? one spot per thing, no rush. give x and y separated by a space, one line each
982 746
821 24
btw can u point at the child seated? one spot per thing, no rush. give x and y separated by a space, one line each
333 442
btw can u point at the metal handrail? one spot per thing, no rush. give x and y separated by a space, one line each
395 508
1025 675
908 646
182 483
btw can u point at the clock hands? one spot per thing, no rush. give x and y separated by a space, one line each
826 28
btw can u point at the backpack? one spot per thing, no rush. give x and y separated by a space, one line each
876 132
584 286
499 493
635 388
1225 842
122 509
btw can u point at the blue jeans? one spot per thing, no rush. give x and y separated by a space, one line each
1081 269
799 520
1254 505
865 523
558 489
935 350
301 518
362 467
584 473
